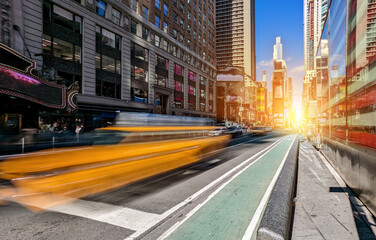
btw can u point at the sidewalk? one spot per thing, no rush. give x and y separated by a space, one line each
323 208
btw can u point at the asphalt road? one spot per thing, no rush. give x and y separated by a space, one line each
213 199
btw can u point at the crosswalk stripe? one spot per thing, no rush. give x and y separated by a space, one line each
108 213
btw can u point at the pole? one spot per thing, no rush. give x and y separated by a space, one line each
23 145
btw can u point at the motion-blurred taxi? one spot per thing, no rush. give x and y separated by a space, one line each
260 130
138 147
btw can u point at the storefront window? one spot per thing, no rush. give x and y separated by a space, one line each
178 102
139 95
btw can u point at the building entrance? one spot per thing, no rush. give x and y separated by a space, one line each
161 103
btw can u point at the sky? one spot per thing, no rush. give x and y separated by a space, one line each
276 18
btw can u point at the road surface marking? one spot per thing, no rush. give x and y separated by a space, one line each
256 217
107 213
204 189
265 151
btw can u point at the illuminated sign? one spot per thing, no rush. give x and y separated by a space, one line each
16 80
24 86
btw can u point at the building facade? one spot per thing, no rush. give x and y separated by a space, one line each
235 46
130 55
346 78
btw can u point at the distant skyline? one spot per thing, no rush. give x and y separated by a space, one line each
281 19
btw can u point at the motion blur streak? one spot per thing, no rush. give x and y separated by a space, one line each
118 156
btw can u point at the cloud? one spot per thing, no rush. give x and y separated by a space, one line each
265 63
288 59
297 69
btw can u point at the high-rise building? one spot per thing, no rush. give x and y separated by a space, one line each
279 81
312 30
278 50
235 35
235 46
126 55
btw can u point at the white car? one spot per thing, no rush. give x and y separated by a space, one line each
218 131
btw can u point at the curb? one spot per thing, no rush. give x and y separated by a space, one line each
277 218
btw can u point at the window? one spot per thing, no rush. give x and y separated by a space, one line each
139 74
101 8
199 38
161 62
139 52
194 34
145 33
194 5
110 64
108 89
133 27
157 4
165 45
61 49
194 20
181 39
161 80
178 70
157 21
157 41
134 5
63 18
191 76
192 90
203 55
145 12
165 9
175 34
108 79
189 44
175 2
175 18
181 7
181 23
189 28
178 86
108 38
116 16
165 27
199 11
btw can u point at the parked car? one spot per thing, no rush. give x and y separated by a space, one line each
218 131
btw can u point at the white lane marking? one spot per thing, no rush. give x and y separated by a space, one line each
214 161
354 200
256 217
107 213
188 172
178 224
201 191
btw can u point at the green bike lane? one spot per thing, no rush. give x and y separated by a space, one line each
228 214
